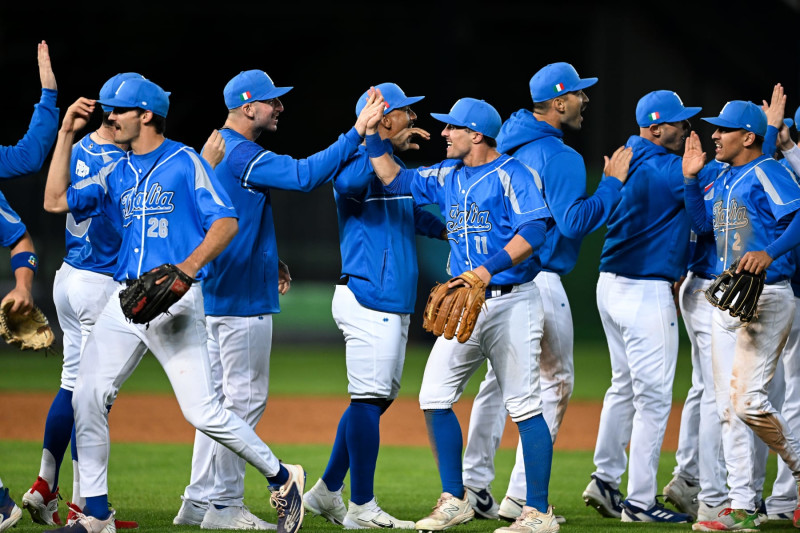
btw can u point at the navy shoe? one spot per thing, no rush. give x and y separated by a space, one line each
288 500
603 497
657 513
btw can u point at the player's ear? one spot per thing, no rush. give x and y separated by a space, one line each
655 130
749 138
386 122
146 116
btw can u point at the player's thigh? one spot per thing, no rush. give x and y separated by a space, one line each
375 343
448 369
557 337
243 345
511 339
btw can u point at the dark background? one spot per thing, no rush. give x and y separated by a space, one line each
709 52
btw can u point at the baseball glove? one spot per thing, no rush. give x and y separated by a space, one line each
454 308
153 293
30 332
737 293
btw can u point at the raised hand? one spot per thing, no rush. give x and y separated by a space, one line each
776 107
694 158
402 141
619 163
45 68
214 149
371 114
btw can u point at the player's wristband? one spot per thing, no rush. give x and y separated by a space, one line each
375 145
498 262
24 259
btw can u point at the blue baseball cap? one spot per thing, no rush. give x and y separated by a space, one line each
141 93
556 79
788 122
251 86
474 114
797 118
739 114
392 94
658 107
110 87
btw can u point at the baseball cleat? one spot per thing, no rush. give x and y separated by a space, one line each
449 511
730 520
288 500
777 517
75 512
511 508
603 497
190 513
657 513
683 495
371 516
9 512
482 502
234 517
88 524
532 521
42 504
325 503
707 513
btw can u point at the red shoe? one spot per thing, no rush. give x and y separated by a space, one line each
75 512
42 504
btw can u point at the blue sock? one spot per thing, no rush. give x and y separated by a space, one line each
537 452
97 506
444 433
58 428
363 441
73 445
280 478
339 462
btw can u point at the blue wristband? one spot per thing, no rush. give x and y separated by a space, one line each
498 262
375 145
24 259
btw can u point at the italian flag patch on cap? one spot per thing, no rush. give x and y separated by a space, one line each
655 115
245 96
558 87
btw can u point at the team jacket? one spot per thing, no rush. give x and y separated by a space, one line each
483 208
751 205
377 237
243 279
11 226
94 243
28 155
166 201
648 231
560 174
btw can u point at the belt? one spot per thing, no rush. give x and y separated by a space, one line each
702 275
343 280
493 291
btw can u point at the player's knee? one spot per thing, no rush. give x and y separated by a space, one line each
748 406
382 403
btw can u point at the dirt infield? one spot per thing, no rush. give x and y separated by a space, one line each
157 418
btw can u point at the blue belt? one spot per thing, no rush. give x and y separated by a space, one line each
493 291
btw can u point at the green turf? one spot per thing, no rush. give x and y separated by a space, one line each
319 369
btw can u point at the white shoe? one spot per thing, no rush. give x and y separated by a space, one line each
682 495
371 516
90 524
449 511
532 521
10 513
233 517
288 500
325 503
511 508
708 513
190 513
482 502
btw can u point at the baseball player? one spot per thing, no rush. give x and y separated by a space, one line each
636 304
536 139
171 209
9 512
754 201
372 304
82 286
238 303
495 218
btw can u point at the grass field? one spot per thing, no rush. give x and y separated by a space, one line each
146 480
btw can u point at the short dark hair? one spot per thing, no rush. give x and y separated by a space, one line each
158 122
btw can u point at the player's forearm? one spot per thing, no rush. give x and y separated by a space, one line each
386 168
788 240
695 207
58 177
219 235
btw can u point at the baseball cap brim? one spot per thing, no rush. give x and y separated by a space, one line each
584 83
686 114
277 92
447 119
717 121
406 102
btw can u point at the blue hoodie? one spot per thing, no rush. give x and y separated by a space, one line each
561 177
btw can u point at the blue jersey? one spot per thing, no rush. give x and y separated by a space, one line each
702 248
483 207
28 155
377 237
751 206
243 279
561 176
166 201
94 243
11 226
648 231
